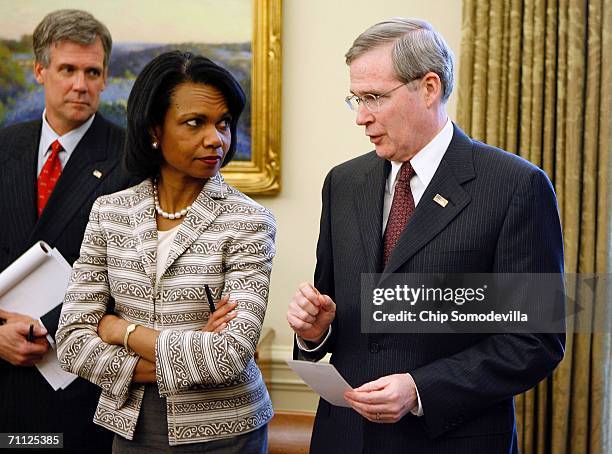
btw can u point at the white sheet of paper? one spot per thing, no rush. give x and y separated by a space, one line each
28 261
36 282
324 379
50 368
33 285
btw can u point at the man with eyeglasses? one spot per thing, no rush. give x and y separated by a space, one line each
429 199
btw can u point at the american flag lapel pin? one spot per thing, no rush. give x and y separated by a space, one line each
440 200
97 174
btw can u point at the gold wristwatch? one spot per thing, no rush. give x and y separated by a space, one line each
129 330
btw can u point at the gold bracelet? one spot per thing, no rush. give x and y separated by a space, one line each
129 330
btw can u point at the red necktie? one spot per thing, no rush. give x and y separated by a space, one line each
49 175
401 210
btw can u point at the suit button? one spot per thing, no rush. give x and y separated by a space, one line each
374 348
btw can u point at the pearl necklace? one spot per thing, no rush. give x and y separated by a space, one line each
165 214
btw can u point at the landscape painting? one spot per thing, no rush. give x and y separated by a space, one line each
226 32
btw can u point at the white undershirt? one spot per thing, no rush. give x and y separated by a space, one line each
164 241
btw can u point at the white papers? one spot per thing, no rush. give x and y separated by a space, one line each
36 282
324 379
50 368
24 265
33 285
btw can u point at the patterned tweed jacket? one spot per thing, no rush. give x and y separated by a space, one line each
212 385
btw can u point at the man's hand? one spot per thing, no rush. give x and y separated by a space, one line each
13 317
310 313
14 346
385 400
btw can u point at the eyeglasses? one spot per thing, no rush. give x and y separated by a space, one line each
371 102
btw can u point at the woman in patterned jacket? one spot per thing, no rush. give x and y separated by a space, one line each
171 372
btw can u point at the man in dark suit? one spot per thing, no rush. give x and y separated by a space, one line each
51 171
428 200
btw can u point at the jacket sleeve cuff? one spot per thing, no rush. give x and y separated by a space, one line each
119 373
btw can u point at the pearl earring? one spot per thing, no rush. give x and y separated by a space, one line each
155 144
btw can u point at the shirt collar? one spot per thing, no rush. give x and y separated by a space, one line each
426 161
69 141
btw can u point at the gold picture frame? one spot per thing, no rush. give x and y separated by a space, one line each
261 175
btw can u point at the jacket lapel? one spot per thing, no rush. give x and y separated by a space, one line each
429 217
368 199
21 168
204 211
77 182
144 226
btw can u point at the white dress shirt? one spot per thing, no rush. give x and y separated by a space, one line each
425 163
69 141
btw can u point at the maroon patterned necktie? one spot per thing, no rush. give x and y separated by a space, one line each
50 173
401 210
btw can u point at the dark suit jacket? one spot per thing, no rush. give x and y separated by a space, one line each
28 403
501 217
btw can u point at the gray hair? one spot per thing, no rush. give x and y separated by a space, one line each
69 25
418 49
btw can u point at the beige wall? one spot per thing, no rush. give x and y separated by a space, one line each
318 132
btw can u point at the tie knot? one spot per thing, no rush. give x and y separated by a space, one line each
406 172
56 147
